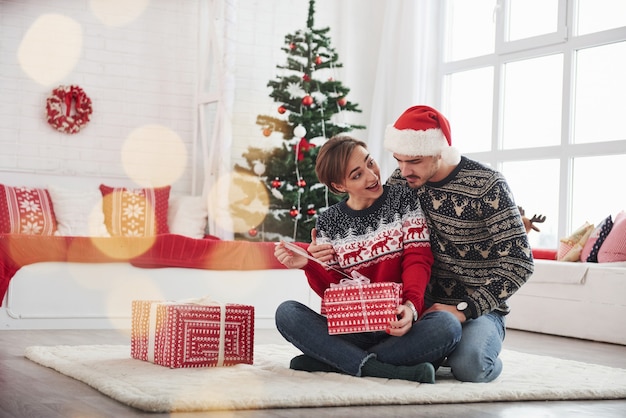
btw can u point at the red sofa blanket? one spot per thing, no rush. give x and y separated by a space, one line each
166 250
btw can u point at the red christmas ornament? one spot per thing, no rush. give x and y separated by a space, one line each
293 212
252 232
307 100
311 211
342 101
318 60
292 46
281 109
304 145
276 183
267 132
306 77
301 182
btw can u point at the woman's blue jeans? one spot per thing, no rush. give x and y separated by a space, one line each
431 339
471 350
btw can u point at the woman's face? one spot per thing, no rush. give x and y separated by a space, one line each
361 180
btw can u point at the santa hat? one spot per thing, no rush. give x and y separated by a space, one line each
421 131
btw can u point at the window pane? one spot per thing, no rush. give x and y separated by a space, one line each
600 106
471 28
535 186
526 22
599 15
532 102
469 109
596 196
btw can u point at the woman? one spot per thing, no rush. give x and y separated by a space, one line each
380 232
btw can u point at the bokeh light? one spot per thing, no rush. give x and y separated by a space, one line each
50 48
118 12
246 204
154 156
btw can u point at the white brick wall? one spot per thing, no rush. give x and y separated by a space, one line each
140 73
144 73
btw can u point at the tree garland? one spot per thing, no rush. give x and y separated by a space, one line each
62 120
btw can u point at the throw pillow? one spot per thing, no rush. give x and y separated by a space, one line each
614 246
571 247
188 216
78 212
140 212
597 237
25 210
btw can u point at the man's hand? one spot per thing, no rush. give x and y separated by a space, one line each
322 252
288 258
448 308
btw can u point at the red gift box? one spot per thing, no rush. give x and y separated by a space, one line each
359 306
192 334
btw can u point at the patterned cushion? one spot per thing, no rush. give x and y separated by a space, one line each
614 246
597 237
571 246
140 212
26 210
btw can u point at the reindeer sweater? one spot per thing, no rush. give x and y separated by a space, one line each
387 242
481 250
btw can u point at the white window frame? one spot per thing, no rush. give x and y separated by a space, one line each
561 41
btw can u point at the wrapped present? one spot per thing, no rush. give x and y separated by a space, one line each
356 305
195 333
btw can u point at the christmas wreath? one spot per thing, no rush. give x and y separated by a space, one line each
59 107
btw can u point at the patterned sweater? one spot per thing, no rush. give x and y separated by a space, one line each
481 250
387 242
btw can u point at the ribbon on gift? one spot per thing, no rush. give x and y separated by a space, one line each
205 301
359 280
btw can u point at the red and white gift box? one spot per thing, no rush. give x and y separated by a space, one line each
356 305
198 333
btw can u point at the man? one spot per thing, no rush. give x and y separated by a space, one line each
480 247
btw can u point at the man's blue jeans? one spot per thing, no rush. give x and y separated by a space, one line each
431 339
476 357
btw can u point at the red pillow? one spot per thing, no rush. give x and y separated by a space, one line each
544 254
138 212
26 210
614 246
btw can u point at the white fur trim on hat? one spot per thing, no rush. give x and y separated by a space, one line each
412 142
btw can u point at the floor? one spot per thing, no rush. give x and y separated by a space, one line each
28 390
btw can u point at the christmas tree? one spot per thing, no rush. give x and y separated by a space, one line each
311 108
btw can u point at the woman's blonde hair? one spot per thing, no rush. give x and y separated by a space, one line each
332 160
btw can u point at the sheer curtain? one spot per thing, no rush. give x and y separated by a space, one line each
406 74
216 90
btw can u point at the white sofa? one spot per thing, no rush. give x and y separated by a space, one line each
52 293
66 295
573 299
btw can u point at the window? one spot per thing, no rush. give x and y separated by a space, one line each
536 88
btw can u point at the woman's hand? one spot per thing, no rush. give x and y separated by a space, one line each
322 252
403 324
288 258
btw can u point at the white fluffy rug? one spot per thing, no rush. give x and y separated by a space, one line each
270 384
